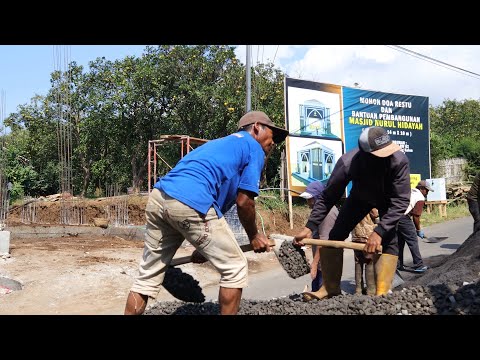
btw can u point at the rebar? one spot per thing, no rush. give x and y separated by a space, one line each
117 209
5 185
61 59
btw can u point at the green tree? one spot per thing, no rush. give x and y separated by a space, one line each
455 129
33 159
114 108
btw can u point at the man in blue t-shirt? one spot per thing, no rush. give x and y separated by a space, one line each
189 203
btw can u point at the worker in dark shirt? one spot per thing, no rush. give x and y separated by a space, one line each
380 176
473 202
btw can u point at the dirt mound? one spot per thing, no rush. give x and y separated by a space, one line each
122 210
130 210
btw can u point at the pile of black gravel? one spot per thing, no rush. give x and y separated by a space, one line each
455 269
416 300
451 286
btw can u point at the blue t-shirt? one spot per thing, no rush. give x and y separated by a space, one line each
211 174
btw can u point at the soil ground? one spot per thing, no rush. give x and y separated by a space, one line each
93 274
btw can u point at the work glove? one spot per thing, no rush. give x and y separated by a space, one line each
420 234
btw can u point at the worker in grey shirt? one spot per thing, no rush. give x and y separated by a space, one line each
472 200
380 176
311 194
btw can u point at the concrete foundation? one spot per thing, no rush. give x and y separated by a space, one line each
127 233
4 242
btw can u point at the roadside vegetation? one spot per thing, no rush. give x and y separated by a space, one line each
271 202
454 211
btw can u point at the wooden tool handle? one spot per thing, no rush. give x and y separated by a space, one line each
187 259
181 260
338 244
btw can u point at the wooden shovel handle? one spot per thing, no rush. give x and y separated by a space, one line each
187 259
338 244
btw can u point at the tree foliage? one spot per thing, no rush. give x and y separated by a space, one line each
115 107
455 130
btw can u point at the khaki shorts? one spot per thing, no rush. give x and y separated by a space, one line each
169 223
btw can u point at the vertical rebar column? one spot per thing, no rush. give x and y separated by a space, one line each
4 184
62 78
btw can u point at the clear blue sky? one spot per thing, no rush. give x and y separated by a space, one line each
25 69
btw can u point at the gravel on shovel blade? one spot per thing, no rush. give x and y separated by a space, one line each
293 260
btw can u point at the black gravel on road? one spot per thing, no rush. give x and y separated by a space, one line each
451 286
416 300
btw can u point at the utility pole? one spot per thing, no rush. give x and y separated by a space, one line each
249 100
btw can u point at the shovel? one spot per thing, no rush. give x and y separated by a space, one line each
434 239
279 239
293 259
188 259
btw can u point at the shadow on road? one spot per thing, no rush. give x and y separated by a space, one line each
450 246
183 286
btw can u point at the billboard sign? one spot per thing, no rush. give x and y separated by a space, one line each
325 121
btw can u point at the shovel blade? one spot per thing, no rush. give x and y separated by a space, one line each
278 243
435 239
397 280
291 258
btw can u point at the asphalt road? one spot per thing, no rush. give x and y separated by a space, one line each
275 283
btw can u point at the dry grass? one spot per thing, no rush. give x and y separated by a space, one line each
302 212
454 211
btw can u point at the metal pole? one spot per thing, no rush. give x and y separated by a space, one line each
249 100
149 166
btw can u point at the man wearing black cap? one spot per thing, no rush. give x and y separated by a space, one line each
189 203
409 227
380 176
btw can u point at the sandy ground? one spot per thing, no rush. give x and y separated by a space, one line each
86 276
93 274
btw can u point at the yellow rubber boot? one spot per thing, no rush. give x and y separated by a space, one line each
385 268
332 266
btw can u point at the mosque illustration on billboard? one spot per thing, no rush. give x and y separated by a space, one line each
315 119
314 162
